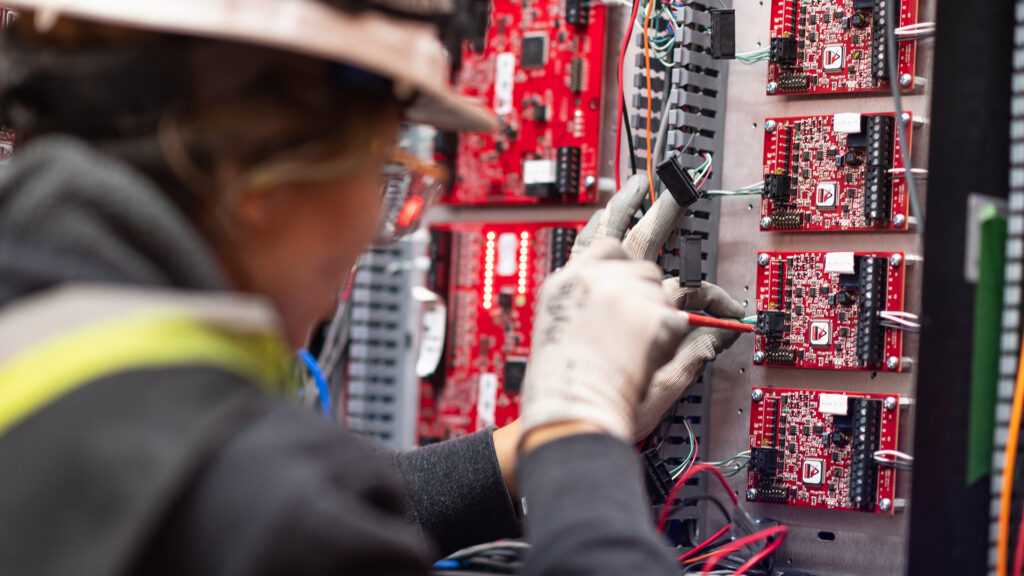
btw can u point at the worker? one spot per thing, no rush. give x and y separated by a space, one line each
193 180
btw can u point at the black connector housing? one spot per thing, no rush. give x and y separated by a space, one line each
567 170
879 45
782 51
771 323
880 140
765 461
778 187
877 196
678 182
577 12
723 34
867 416
870 333
562 239
656 477
515 371
690 260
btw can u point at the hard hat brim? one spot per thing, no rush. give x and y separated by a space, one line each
407 52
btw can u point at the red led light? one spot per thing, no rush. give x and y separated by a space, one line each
410 211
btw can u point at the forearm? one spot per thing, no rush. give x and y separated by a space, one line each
456 492
586 511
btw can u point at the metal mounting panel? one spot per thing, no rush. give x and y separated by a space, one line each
822 542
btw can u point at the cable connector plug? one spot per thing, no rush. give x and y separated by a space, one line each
723 34
678 181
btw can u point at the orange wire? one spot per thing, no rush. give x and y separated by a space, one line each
1009 461
650 94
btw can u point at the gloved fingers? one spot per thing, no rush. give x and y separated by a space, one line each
645 240
709 298
671 381
584 237
603 249
618 214
708 343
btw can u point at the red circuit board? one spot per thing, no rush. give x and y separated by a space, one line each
807 450
494 275
818 304
829 175
542 75
834 46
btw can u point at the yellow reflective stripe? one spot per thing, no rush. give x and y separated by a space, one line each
153 339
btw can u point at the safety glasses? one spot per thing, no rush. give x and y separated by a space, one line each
410 186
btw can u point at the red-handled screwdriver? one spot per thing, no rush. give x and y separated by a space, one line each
711 322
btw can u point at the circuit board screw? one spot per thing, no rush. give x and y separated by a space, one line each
905 117
892 363
757 394
766 224
895 260
752 494
889 403
758 357
769 125
906 80
773 87
899 220
589 182
763 260
885 505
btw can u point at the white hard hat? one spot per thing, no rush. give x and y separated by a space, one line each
404 50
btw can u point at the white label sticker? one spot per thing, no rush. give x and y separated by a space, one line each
820 333
813 471
538 171
835 404
486 400
508 249
846 123
435 321
504 82
825 195
832 58
840 262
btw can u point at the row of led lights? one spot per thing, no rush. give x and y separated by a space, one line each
524 248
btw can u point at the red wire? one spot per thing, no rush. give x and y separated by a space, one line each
772 547
667 508
698 547
1018 556
711 322
622 92
736 545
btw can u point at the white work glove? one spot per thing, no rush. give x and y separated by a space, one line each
644 242
603 325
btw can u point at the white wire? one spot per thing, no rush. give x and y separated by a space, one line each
919 173
750 190
895 454
907 321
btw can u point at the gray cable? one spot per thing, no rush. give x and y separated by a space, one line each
897 100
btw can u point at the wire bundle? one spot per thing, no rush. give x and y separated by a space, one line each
915 31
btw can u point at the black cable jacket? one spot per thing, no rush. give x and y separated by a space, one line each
629 134
713 499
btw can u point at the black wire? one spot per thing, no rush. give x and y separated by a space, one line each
713 499
622 94
897 100
629 135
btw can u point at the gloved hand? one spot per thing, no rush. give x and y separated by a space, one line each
603 326
643 242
